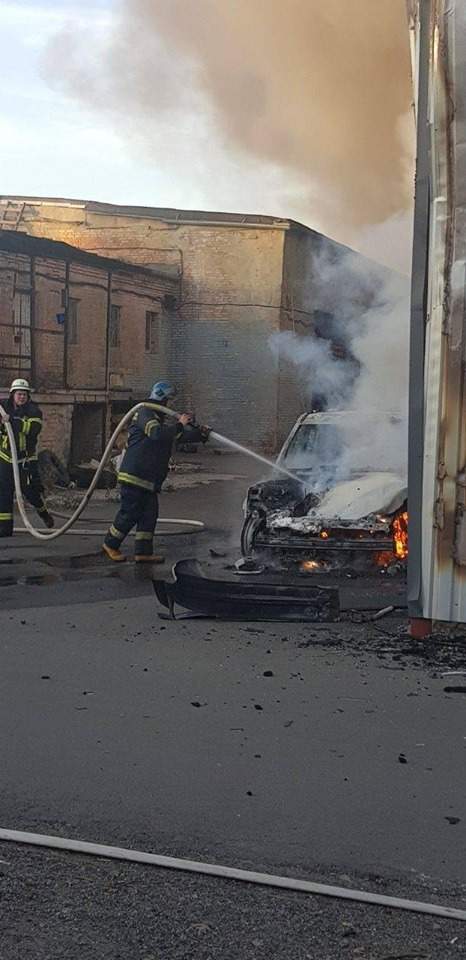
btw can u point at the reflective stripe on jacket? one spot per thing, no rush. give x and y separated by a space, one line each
150 442
26 423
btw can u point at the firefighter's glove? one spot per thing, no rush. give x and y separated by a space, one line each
185 419
205 433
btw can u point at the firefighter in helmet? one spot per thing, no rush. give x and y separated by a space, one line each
144 467
25 419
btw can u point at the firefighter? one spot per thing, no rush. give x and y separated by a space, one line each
144 467
25 418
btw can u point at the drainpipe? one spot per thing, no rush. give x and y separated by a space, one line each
67 318
107 412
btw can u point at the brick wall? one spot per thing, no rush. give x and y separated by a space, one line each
69 367
49 334
227 376
57 427
216 344
239 283
87 343
135 365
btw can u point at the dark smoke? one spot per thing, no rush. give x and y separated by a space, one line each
320 87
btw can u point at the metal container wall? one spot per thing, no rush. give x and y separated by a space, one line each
437 474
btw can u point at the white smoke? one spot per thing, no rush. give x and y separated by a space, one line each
366 309
321 372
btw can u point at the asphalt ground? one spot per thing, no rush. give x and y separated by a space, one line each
326 751
56 906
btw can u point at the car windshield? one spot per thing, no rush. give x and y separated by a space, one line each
314 445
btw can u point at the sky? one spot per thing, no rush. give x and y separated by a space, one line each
124 101
51 145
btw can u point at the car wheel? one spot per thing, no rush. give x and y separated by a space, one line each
251 527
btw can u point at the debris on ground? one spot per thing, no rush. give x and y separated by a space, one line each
247 565
383 612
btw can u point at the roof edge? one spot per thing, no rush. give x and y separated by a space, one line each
169 214
59 250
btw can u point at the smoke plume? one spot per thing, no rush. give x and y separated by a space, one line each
368 312
317 88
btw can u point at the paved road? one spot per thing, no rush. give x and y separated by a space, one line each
274 747
317 751
241 734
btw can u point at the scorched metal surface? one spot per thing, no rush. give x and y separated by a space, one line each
244 599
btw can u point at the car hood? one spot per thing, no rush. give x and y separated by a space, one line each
379 493
366 502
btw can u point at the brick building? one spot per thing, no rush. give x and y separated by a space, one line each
240 279
89 332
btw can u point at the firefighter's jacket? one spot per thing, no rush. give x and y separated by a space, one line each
26 422
151 437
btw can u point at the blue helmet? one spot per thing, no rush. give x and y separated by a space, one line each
162 390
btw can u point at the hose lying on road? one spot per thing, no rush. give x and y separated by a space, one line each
96 532
231 873
194 527
52 535
184 523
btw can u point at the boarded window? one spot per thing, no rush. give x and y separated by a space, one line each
114 328
22 312
152 332
22 323
73 321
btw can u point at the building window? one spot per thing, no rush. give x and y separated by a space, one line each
152 332
73 326
114 328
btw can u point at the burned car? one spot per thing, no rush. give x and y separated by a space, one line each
336 510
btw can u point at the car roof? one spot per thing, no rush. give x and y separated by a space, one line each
340 416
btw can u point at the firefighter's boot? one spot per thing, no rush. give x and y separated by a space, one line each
46 518
116 555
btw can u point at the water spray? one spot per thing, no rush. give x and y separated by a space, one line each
251 453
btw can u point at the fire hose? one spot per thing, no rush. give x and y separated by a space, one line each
54 534
232 873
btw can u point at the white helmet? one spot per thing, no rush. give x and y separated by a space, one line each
20 384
